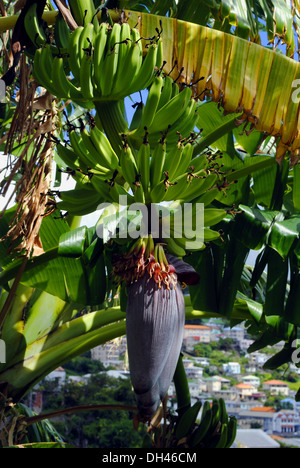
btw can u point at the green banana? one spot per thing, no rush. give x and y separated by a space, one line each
116 191
223 437
129 166
215 416
172 160
83 11
146 72
129 65
199 186
187 421
166 91
110 62
40 74
125 47
79 148
65 89
69 157
143 164
150 107
174 248
175 90
231 435
177 191
79 201
92 155
73 53
185 125
223 412
157 163
61 33
158 193
85 41
86 77
107 156
33 27
46 62
100 45
136 118
208 197
184 160
204 425
79 196
171 111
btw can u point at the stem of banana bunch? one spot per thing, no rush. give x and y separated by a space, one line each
113 122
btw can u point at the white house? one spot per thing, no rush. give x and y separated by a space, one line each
251 380
232 368
286 422
276 387
58 375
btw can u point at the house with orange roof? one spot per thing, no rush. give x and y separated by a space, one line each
244 390
276 387
199 333
264 409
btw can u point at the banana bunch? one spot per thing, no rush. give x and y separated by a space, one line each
215 429
91 152
100 63
167 110
79 201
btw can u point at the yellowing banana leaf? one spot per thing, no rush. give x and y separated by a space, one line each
241 75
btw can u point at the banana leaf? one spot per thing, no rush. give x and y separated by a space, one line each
263 84
73 269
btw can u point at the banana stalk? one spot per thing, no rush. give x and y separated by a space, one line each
113 122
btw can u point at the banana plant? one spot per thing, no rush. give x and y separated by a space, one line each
221 74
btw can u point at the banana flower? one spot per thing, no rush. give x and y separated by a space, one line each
155 318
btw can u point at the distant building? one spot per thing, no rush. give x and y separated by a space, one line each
200 333
245 343
286 422
233 368
213 384
244 390
276 387
252 380
194 372
254 438
235 333
58 375
260 416
110 353
204 362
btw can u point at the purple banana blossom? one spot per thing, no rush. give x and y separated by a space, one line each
155 322
155 318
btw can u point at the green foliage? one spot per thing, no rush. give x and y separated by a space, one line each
95 429
83 364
